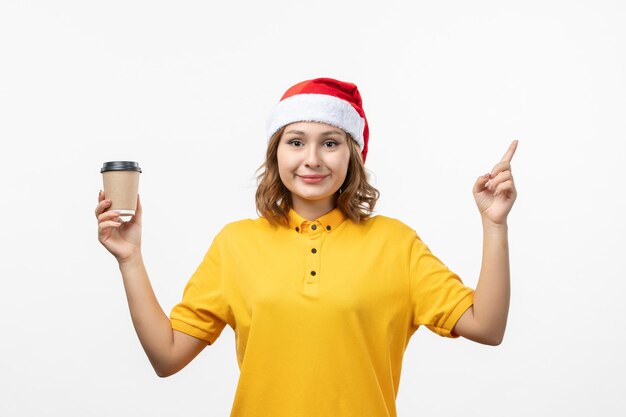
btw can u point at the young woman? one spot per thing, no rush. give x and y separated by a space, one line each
323 297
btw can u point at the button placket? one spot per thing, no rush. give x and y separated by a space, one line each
312 272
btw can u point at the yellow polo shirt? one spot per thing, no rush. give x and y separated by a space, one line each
322 311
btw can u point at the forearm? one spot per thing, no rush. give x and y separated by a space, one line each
151 324
493 291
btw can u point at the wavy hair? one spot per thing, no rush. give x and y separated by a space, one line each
356 197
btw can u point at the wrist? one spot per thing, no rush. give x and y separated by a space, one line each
490 225
131 261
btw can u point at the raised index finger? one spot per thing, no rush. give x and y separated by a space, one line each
510 152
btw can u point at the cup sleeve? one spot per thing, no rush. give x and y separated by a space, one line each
438 296
203 310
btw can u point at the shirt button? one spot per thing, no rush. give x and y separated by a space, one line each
313 273
314 250
297 229
314 227
327 227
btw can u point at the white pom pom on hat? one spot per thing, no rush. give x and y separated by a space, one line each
325 100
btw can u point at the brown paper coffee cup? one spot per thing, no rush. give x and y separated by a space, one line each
121 185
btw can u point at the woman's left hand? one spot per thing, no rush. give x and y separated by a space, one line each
495 192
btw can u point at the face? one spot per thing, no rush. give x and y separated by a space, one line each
313 163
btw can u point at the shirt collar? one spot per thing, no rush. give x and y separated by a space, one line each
328 222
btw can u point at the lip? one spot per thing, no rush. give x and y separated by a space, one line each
312 179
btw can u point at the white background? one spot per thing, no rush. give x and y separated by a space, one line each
184 88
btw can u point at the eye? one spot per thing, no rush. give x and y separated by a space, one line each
330 144
295 142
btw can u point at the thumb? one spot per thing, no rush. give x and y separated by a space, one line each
139 210
480 183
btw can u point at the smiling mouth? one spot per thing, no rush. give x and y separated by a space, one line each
312 179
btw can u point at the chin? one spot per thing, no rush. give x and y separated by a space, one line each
315 196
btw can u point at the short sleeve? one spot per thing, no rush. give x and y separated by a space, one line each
438 296
203 310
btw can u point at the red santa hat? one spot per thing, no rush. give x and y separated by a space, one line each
325 100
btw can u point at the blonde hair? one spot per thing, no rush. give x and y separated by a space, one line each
356 197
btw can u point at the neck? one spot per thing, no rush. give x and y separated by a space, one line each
312 210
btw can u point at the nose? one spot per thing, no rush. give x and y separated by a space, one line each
312 157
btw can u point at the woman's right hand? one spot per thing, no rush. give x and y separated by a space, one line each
122 239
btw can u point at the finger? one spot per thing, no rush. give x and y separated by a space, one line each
506 187
109 215
499 179
105 225
480 183
102 207
501 166
510 152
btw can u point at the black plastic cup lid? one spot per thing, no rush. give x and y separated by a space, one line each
120 166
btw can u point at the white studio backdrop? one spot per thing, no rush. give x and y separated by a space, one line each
184 88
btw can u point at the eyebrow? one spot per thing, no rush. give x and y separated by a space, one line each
328 132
